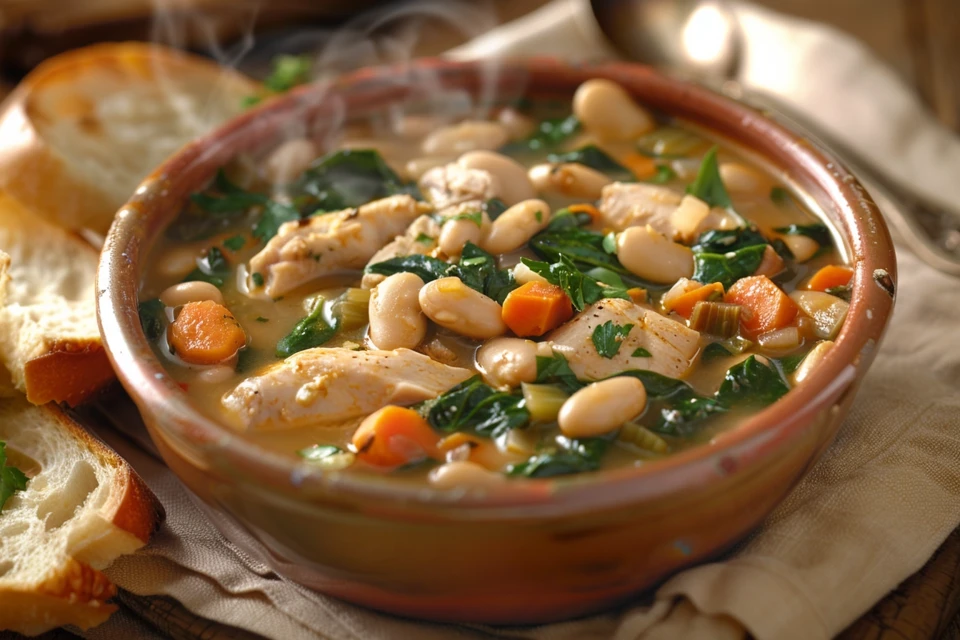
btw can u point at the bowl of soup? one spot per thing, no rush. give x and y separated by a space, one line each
503 347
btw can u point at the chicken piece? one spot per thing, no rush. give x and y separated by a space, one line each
307 249
329 386
672 345
419 238
452 184
631 204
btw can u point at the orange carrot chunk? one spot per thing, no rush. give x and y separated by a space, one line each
586 208
394 436
640 165
535 308
765 306
205 333
829 277
684 303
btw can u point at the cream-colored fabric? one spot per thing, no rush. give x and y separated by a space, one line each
870 513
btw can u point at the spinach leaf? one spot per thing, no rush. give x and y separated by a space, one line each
499 285
478 270
727 240
657 385
566 219
274 214
751 383
348 178
11 478
789 364
312 331
494 207
556 369
568 457
591 156
477 406
428 268
153 318
246 357
235 243
288 72
685 411
584 248
582 289
548 135
714 351
727 268
640 352
708 186
818 232
212 267
608 337
664 174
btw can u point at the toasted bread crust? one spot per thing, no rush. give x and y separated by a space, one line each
70 371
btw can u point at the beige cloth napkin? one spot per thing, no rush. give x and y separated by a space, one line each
870 513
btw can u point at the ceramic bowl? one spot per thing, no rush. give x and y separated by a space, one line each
535 551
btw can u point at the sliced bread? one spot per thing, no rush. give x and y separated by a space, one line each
83 129
82 508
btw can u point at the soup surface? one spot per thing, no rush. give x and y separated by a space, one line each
470 301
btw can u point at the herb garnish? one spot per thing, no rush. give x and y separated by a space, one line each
567 457
473 405
640 352
212 267
582 289
312 331
608 337
708 186
11 478
153 318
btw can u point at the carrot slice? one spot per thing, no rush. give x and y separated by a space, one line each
205 332
394 436
535 308
586 208
684 303
637 294
829 277
765 306
640 165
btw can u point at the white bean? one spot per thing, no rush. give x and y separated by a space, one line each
512 177
457 232
215 374
739 178
418 166
453 305
178 261
607 110
289 160
395 317
802 247
651 256
688 216
468 135
602 407
569 179
506 362
517 125
463 474
516 226
810 362
180 294
524 274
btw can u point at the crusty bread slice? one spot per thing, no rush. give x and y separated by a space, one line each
82 508
83 129
49 339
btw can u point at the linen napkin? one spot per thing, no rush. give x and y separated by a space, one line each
869 514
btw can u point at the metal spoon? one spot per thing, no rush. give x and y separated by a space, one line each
669 34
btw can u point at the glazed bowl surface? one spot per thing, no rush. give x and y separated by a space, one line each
532 551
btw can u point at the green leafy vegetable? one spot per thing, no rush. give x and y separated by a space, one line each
549 134
347 178
582 289
473 405
608 337
288 72
212 267
726 240
235 243
563 237
494 207
567 457
427 267
591 156
423 238
11 478
229 200
708 186
640 352
556 369
789 364
818 232
664 174
714 351
727 268
273 216
609 243
312 331
153 318
751 383
257 279
476 217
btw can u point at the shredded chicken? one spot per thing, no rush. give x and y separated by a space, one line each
329 386
308 249
419 238
452 184
632 204
672 346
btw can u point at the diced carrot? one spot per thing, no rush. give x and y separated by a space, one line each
765 306
535 308
205 332
637 294
770 264
685 302
640 165
586 208
829 277
394 436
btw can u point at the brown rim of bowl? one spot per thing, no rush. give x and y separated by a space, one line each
869 243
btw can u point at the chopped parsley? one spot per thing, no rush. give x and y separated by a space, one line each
640 352
12 479
608 337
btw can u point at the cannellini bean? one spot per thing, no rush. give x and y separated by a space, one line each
516 226
802 247
457 232
468 135
814 358
462 474
395 318
453 305
180 294
416 167
524 274
215 374
289 160
178 261
688 216
506 362
739 178
609 112
602 407
569 179
514 185
517 125
651 256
